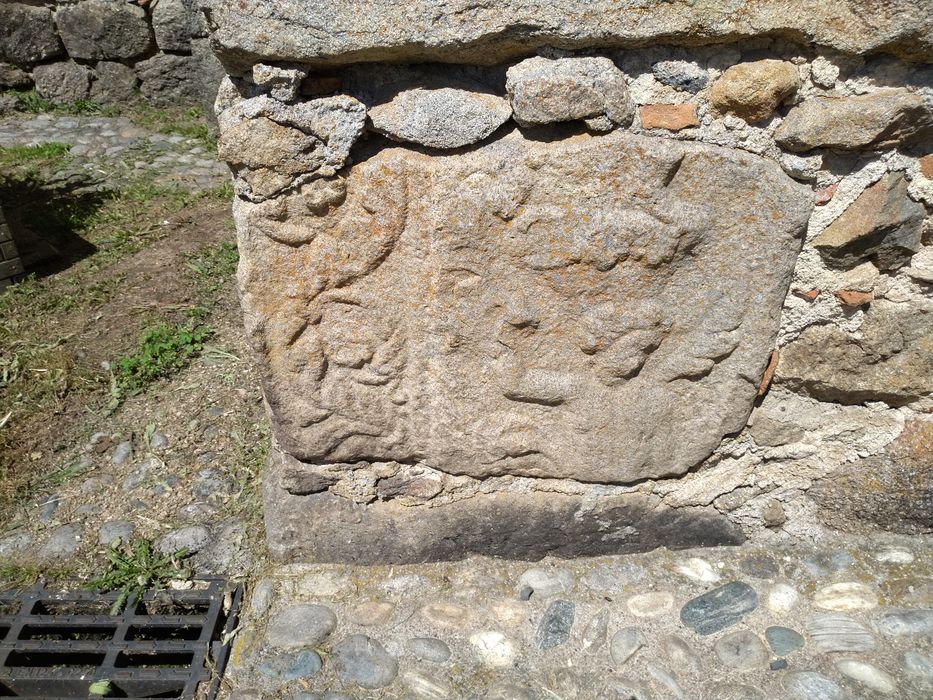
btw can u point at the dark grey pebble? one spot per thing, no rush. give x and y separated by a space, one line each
719 608
292 666
783 640
555 625
364 661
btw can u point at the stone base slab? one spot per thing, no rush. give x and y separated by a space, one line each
306 521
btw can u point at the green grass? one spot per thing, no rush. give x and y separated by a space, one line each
15 155
31 101
164 350
188 122
213 267
135 568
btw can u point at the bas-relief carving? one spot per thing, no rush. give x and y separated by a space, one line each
595 308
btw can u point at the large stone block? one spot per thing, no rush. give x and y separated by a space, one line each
307 522
349 31
596 308
104 29
27 34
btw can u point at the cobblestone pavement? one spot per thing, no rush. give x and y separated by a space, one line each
851 620
113 148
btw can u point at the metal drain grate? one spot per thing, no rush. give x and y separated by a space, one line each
56 644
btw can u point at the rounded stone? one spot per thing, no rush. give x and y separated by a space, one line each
547 582
493 647
445 614
849 595
624 644
742 650
681 655
836 632
428 649
698 570
650 604
426 687
291 666
782 598
719 608
868 675
443 118
301 626
754 90
810 685
594 634
62 543
191 539
899 623
372 613
364 661
919 667
115 529
555 625
783 640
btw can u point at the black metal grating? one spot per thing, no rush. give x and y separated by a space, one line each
164 645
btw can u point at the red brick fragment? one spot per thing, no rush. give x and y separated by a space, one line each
825 195
808 294
670 117
769 373
853 299
926 166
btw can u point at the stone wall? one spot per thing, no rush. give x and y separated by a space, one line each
108 51
10 264
558 277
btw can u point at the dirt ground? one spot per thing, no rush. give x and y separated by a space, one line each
118 260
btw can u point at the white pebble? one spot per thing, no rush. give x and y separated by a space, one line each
782 598
870 676
849 595
494 649
698 570
894 556
650 604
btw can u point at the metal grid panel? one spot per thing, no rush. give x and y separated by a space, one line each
57 643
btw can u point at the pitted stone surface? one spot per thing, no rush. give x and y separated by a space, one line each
440 118
269 144
884 118
543 91
333 32
585 310
95 29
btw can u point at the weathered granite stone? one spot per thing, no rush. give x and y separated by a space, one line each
433 290
883 118
27 34
172 24
891 360
442 118
95 29
13 77
62 82
754 90
543 91
269 144
883 225
115 83
167 79
893 491
281 83
331 32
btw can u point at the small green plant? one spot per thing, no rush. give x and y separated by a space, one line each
164 349
135 567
